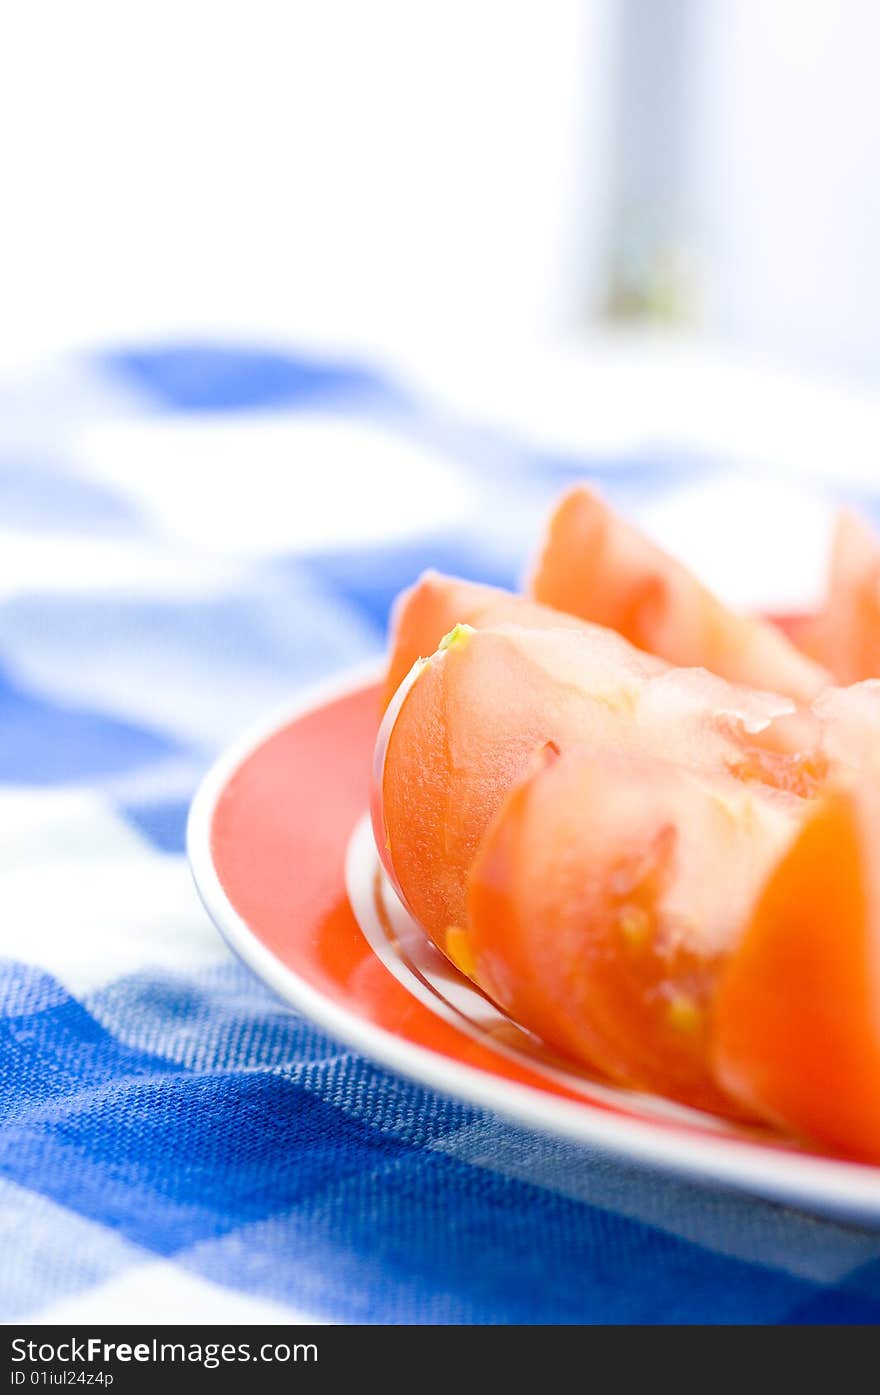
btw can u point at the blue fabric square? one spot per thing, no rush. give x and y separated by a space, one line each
46 741
162 821
425 1238
202 377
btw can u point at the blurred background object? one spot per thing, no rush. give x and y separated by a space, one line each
388 173
786 177
357 171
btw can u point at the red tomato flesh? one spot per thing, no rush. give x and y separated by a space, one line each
462 730
427 611
796 1031
601 568
604 898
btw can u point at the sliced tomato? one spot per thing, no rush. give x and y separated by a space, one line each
846 637
462 729
603 900
599 567
796 1023
427 611
805 633
848 725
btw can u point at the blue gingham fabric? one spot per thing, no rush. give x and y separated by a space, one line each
187 535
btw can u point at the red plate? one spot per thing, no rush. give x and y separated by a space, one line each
284 861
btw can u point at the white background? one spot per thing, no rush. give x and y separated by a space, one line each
377 171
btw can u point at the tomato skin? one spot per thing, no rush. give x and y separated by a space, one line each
846 636
463 730
432 607
601 568
796 1023
457 734
605 895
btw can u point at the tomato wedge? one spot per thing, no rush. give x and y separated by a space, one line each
796 1030
427 611
462 729
599 567
846 636
603 899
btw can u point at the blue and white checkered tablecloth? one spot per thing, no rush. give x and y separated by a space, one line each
187 535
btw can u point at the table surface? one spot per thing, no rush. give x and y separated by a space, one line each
188 535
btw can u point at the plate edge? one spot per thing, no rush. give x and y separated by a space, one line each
703 1160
